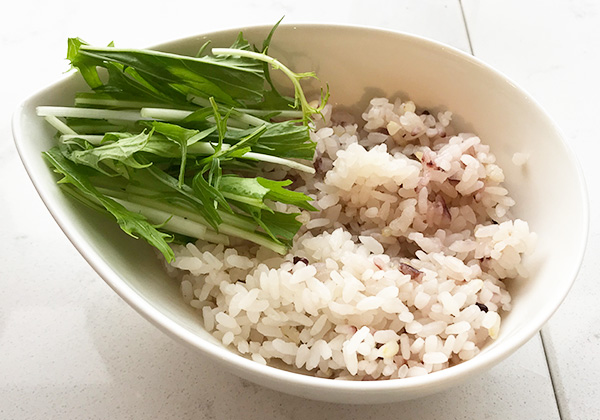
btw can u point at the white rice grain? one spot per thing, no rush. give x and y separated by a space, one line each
413 235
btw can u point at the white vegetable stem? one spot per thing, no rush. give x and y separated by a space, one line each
164 114
175 223
280 161
142 195
199 148
188 223
111 102
283 113
171 222
92 113
167 114
59 125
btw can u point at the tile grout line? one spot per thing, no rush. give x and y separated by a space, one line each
464 18
562 411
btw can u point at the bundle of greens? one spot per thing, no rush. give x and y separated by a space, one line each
171 145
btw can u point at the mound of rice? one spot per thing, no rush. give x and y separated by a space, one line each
399 274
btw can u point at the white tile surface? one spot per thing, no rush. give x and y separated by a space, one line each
70 348
552 49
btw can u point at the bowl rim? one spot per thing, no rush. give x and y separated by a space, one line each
438 379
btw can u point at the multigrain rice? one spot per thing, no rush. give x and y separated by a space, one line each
399 274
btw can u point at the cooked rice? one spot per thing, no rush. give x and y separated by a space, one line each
406 257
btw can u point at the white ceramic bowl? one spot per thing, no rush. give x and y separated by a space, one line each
358 63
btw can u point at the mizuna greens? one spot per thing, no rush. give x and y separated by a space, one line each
172 146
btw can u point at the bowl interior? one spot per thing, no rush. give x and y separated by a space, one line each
358 64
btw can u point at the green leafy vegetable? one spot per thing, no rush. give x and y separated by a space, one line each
171 77
132 223
300 99
162 140
260 189
115 154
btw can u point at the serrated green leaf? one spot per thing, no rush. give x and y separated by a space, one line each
121 150
278 193
134 224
